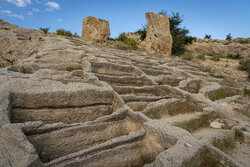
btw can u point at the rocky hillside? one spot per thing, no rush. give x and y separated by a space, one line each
224 48
67 102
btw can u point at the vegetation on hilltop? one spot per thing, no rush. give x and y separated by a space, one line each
207 36
179 34
66 33
45 30
229 37
142 32
129 43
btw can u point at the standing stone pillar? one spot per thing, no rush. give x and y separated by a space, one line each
95 30
158 37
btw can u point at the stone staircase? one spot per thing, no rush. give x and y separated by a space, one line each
98 106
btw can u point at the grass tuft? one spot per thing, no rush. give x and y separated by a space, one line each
187 55
205 159
71 68
203 121
126 43
183 107
225 144
238 135
154 114
221 94
235 57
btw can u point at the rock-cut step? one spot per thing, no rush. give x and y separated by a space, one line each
112 69
125 80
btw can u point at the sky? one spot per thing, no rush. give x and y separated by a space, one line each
213 17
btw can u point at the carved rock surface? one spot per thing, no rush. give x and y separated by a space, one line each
73 103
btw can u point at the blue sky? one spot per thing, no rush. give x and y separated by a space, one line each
214 17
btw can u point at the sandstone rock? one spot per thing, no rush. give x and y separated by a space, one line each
17 43
95 29
158 37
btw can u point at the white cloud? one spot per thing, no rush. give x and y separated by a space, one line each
17 16
10 14
30 13
20 3
5 11
52 6
59 20
35 10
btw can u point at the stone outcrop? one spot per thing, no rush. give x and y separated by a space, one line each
158 37
73 103
222 47
95 30
17 43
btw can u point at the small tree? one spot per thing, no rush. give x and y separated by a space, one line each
142 32
208 36
45 30
229 37
179 34
76 35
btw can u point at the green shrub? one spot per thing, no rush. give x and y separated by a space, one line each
76 35
111 39
142 32
187 55
207 36
231 56
238 135
247 92
64 32
122 37
129 42
244 65
45 30
243 41
229 37
179 34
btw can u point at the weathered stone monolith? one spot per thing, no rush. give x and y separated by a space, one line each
95 30
158 37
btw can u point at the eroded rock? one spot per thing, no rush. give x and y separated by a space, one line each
158 37
95 30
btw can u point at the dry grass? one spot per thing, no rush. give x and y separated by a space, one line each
195 124
72 68
153 114
221 94
225 144
206 159
183 107
238 135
